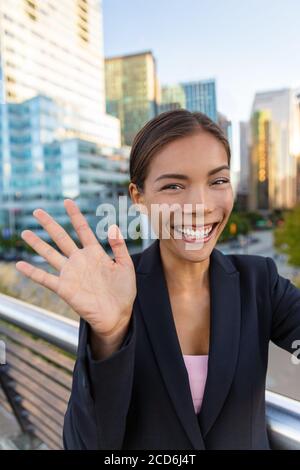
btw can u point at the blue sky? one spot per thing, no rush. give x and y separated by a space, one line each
247 46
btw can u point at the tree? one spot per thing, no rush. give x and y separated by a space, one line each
287 236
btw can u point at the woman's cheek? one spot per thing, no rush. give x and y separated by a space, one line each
225 198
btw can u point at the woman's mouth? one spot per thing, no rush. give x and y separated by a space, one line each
195 234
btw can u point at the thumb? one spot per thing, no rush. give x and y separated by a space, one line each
118 245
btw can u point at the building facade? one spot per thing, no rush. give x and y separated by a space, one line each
132 91
275 147
201 96
197 96
243 188
56 49
172 97
226 126
45 169
56 139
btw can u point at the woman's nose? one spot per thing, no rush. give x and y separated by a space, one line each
198 199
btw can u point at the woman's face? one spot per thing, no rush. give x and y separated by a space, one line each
189 179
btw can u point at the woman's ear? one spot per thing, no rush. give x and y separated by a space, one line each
135 194
137 198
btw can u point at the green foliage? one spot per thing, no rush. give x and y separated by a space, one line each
287 236
254 218
243 226
14 242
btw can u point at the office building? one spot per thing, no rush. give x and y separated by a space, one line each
132 91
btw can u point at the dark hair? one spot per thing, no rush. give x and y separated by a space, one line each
163 129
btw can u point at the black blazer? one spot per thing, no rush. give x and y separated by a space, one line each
139 397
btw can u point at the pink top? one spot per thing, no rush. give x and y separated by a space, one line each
197 371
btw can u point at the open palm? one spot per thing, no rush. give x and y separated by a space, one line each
101 290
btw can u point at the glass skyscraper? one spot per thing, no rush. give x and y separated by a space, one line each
172 97
201 96
55 48
56 139
132 91
195 96
275 149
44 169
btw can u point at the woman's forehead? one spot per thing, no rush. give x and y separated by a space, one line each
200 155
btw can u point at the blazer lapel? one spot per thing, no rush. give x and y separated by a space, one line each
224 337
156 308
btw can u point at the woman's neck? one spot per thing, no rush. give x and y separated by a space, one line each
182 274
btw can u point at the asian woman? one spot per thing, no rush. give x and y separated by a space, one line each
173 341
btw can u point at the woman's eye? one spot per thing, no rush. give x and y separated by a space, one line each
171 186
221 180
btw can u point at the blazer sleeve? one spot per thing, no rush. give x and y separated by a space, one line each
100 395
285 301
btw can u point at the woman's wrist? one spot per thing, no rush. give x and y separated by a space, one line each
103 346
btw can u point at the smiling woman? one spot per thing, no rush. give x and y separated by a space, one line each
173 341
196 151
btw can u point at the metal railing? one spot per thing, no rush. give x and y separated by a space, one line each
56 329
283 417
282 413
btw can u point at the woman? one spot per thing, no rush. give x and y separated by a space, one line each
173 341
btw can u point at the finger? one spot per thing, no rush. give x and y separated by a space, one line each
44 249
80 224
118 245
56 232
38 275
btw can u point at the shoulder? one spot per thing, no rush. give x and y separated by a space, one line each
259 277
253 266
244 261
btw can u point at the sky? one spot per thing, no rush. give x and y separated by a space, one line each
247 46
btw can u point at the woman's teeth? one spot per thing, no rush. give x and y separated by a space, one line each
198 234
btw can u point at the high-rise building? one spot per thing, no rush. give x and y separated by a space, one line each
263 169
44 169
244 176
201 96
132 91
275 146
172 97
226 126
56 139
197 96
55 48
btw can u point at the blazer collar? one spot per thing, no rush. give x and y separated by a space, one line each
225 320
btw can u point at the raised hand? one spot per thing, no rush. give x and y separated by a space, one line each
99 289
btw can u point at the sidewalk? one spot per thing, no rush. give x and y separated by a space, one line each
11 437
9 430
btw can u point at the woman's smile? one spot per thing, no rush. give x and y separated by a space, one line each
194 234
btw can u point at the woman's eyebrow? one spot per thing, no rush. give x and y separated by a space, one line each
172 175
219 168
184 177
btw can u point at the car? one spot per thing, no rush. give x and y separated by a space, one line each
253 239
